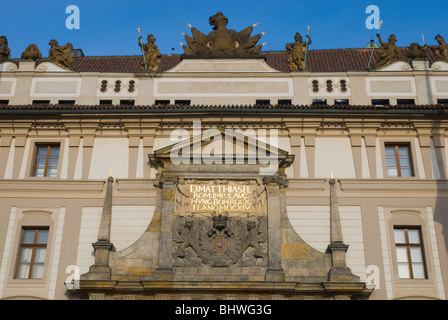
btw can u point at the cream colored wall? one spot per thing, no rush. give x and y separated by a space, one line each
312 224
128 224
225 82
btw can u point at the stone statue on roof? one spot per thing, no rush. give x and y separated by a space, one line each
31 53
151 54
296 52
389 52
416 52
60 55
222 41
5 52
441 50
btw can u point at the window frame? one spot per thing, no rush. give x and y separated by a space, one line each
396 145
408 246
33 246
49 145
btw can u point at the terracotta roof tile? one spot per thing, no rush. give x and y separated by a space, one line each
331 60
32 108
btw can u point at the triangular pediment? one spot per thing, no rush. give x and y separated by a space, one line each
223 145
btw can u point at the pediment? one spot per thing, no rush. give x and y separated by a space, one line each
222 145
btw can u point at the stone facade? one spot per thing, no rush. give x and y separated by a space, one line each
119 211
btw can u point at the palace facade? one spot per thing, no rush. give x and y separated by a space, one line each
225 173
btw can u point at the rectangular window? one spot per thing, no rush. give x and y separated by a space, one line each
317 102
32 250
284 102
405 101
263 102
341 101
127 102
399 160
182 102
409 250
162 102
380 102
46 160
66 102
105 102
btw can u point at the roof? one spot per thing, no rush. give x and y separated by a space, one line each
332 60
42 109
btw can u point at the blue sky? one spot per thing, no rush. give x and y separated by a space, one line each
109 27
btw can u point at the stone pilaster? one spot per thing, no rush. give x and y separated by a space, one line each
275 271
165 266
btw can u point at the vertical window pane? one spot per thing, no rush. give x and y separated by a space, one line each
403 151
54 151
414 236
42 151
52 172
26 254
38 271
418 271
402 254
23 271
416 254
43 237
406 172
399 236
39 255
403 271
390 151
28 236
392 172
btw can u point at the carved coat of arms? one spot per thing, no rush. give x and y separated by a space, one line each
221 239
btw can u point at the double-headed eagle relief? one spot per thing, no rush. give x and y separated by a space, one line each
222 41
220 223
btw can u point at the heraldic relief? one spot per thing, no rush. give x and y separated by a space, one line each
220 223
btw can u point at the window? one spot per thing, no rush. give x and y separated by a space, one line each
67 102
398 160
405 101
317 102
32 250
409 250
182 102
46 160
4 101
380 102
442 101
127 102
105 102
263 102
341 101
41 101
284 102
162 102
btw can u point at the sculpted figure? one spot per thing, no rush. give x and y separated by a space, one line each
296 52
5 52
60 55
441 50
151 52
389 52
31 53
415 51
222 41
